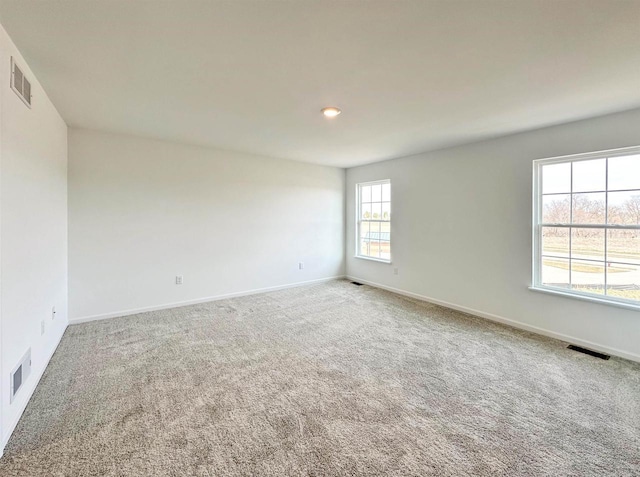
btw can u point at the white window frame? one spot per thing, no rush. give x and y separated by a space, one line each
359 219
536 279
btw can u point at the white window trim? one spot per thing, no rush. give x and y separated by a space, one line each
536 284
358 215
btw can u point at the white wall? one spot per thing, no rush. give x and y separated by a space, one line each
33 237
461 230
143 211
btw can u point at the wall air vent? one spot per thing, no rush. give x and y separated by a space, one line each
20 84
20 374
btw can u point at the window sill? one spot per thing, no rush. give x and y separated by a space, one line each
593 299
373 259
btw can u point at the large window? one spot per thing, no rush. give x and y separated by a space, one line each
587 226
374 220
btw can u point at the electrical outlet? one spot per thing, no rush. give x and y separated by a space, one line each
53 313
300 265
42 327
395 271
179 280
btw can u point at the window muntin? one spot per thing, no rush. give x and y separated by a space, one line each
587 225
374 220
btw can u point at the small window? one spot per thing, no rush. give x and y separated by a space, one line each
20 84
586 216
374 220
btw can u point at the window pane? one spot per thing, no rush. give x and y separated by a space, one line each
385 240
365 229
589 175
623 246
366 194
374 249
370 236
375 230
386 211
386 192
364 248
624 208
556 209
623 281
587 244
556 178
624 172
555 241
366 211
555 272
376 193
589 208
385 250
376 210
374 240
587 276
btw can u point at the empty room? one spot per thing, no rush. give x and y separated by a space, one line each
319 238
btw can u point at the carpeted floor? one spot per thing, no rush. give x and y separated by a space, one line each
326 380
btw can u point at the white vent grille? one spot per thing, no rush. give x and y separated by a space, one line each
20 374
20 84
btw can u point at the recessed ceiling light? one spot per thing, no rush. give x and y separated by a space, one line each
331 111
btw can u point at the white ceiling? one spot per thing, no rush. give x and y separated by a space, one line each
252 76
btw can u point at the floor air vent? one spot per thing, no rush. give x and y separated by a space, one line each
356 283
589 352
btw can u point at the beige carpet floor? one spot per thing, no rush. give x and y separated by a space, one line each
326 380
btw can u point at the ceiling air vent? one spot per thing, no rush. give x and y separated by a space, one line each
20 84
19 374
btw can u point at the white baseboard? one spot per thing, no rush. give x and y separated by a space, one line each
177 304
507 321
30 387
